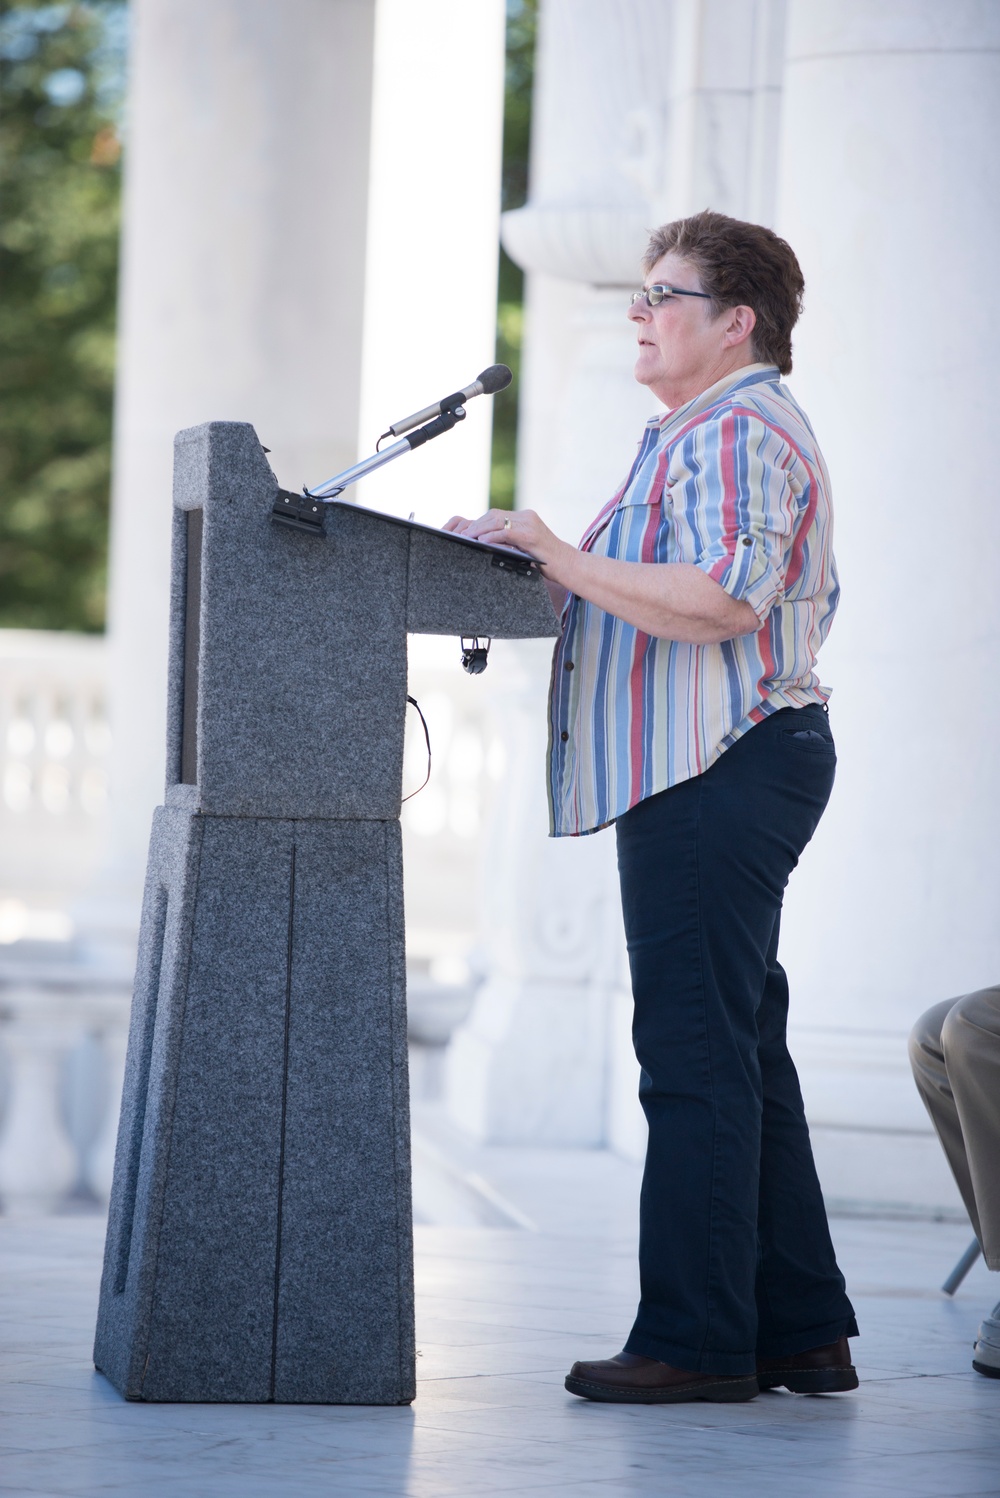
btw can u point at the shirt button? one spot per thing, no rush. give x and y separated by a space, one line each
747 541
564 735
568 666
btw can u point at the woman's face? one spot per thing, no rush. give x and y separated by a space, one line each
683 349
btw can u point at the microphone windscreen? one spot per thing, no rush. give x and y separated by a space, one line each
497 377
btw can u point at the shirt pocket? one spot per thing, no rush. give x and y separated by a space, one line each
639 529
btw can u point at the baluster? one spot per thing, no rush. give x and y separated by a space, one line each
100 1162
84 1100
37 1160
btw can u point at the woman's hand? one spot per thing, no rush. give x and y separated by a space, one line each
521 529
524 530
669 600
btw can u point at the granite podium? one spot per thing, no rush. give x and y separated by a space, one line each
259 1242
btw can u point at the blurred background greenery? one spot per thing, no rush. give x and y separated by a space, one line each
522 21
62 88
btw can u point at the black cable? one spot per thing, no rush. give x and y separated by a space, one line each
427 737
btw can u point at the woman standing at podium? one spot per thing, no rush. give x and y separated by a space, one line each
686 709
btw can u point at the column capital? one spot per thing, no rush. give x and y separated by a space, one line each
600 246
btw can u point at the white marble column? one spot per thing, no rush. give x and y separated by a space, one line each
311 204
890 194
245 208
721 148
531 1065
432 243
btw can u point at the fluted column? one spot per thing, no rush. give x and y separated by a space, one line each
725 67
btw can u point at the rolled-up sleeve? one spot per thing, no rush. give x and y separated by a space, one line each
734 495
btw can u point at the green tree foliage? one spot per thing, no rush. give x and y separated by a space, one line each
61 88
60 92
522 18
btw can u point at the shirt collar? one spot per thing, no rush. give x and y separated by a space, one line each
749 374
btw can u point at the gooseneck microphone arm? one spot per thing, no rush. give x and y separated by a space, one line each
440 417
330 488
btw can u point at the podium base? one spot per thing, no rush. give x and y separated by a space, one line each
260 1234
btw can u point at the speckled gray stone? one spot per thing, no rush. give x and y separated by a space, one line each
260 1240
302 662
266 1236
345 1304
154 1046
454 590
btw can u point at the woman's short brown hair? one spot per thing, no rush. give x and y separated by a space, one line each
740 265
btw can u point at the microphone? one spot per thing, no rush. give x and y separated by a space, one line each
301 510
497 377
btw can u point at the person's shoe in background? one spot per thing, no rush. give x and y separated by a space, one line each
986 1351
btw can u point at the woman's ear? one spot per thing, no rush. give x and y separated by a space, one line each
740 325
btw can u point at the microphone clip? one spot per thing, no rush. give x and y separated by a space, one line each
442 423
474 654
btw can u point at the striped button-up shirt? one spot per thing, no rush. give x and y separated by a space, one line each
734 483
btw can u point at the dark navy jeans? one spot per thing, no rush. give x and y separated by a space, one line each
735 1256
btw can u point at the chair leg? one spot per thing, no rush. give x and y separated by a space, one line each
962 1268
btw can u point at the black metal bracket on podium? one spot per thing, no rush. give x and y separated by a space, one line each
300 512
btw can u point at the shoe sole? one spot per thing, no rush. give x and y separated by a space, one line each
810 1380
726 1391
990 1370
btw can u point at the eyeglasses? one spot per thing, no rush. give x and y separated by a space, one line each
654 295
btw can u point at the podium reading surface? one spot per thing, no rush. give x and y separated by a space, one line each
260 1238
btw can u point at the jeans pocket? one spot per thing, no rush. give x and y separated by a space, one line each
809 741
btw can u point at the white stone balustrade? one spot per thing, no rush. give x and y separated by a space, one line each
64 1007
63 1020
63 1042
54 743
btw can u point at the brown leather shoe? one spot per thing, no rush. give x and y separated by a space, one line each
819 1370
629 1379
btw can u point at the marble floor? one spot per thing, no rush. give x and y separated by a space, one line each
502 1311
